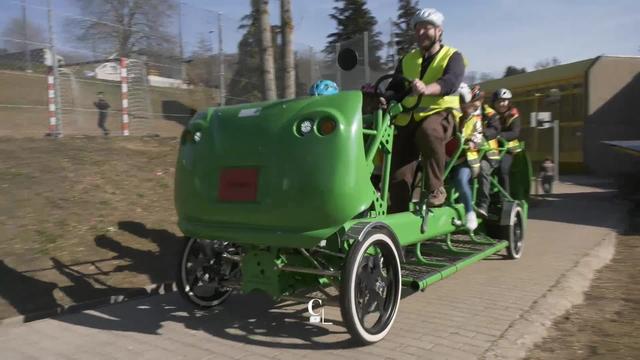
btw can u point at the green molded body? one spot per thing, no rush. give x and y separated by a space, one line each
308 186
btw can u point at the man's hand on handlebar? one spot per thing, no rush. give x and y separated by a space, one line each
419 88
370 89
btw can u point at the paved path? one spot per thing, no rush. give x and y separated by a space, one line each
464 317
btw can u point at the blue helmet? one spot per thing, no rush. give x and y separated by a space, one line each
323 87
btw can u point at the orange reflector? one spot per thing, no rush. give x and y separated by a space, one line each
326 126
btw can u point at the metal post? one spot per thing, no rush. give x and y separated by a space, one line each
213 67
366 57
556 149
338 70
183 70
56 77
25 36
124 94
221 60
312 65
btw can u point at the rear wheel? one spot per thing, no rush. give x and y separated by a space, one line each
371 288
206 271
514 233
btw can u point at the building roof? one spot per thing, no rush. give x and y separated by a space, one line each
541 77
628 146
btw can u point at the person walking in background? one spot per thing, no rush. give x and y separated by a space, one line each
103 107
547 170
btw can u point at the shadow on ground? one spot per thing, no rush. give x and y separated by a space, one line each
584 208
35 299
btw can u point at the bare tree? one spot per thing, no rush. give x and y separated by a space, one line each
287 49
542 64
20 35
485 76
266 52
471 77
124 26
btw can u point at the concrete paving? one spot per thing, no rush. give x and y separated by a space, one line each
493 309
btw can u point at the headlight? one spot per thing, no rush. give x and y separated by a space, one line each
304 127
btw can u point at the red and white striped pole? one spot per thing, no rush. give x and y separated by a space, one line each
125 96
51 96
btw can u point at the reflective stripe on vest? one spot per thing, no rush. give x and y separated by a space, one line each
494 148
468 129
513 146
487 110
493 153
411 66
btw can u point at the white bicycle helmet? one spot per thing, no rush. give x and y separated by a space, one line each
502 94
428 15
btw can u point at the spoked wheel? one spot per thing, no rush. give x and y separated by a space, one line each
206 270
371 288
515 233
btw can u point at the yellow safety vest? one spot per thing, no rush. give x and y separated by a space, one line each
494 148
513 146
468 128
411 65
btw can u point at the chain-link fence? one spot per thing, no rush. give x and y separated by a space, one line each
154 71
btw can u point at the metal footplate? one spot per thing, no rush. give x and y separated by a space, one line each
436 259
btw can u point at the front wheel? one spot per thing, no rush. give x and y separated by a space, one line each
371 287
205 271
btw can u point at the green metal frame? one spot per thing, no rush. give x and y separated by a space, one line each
297 238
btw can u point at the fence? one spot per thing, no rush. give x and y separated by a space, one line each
188 62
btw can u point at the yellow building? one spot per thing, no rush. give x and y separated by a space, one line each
594 100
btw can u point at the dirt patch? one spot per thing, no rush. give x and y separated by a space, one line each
607 324
83 218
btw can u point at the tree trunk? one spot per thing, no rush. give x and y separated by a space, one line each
266 52
287 49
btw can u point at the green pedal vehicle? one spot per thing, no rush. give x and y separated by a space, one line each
281 197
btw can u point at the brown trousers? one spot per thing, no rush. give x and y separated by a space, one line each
427 138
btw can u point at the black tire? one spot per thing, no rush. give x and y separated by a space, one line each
514 233
371 283
202 272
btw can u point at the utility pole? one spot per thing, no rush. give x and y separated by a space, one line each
391 48
338 70
221 59
213 65
25 36
366 57
556 149
312 65
183 69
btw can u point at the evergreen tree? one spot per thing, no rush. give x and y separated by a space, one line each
513 70
246 84
403 34
353 18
